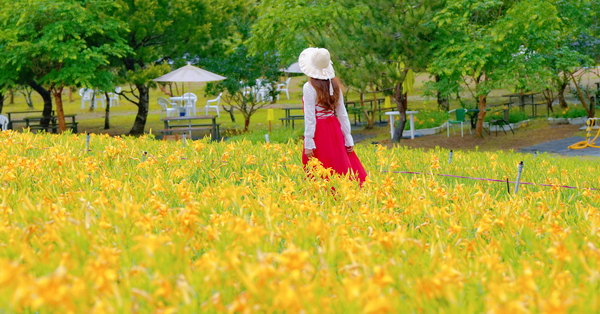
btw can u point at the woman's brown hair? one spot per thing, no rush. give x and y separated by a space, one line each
322 88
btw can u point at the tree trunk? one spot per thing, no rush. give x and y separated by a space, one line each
561 95
107 112
230 111
1 101
549 97
60 113
27 94
47 97
246 123
443 102
93 101
142 115
11 97
482 104
582 97
401 100
370 118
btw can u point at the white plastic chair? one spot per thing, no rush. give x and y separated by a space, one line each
247 90
114 97
3 123
166 106
263 90
189 100
215 106
263 94
87 95
283 87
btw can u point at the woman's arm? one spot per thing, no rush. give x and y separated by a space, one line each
342 116
309 98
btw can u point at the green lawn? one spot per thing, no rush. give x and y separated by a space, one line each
122 117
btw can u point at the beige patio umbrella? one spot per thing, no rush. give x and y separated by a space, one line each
190 73
293 68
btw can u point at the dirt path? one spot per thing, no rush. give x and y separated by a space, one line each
538 131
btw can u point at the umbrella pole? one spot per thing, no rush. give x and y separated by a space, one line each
183 100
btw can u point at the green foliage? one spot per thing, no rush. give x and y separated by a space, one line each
467 49
516 45
573 111
242 71
514 115
60 43
376 41
426 119
368 40
447 86
517 116
177 30
582 26
283 26
145 76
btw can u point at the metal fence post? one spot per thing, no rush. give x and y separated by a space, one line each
518 177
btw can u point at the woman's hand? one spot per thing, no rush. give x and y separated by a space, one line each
349 149
309 152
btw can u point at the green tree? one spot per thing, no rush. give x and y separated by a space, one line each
379 42
178 30
373 44
551 49
575 17
518 45
465 48
579 46
53 44
6 82
242 71
7 74
496 44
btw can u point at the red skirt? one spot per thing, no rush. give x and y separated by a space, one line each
331 150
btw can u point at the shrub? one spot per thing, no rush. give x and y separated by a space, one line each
573 111
514 115
426 119
517 116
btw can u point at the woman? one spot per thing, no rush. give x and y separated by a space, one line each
326 125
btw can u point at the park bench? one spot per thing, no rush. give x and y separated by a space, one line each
187 124
33 123
540 103
16 117
291 119
177 129
371 108
379 111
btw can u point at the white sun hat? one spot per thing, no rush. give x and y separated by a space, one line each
316 63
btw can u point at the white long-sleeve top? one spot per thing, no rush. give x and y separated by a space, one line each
309 95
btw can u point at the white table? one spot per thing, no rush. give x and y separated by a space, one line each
411 115
185 103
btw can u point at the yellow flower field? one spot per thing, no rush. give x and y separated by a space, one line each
140 225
